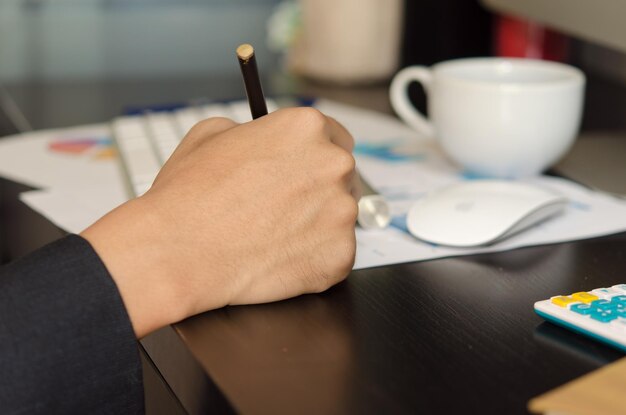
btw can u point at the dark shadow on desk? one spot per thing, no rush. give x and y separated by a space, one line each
22 230
565 341
294 356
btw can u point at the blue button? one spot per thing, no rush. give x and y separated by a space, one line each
603 317
598 303
581 308
618 305
603 305
620 299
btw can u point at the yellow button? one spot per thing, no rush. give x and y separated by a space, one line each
584 297
563 301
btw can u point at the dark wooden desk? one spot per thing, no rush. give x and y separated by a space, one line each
439 336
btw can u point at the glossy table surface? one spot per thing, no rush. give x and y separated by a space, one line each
441 336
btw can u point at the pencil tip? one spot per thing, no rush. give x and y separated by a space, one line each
245 51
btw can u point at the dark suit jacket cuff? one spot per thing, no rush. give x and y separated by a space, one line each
66 341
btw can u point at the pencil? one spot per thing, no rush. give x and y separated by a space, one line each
247 63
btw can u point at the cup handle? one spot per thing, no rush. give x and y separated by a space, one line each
399 96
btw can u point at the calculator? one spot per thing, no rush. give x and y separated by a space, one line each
599 313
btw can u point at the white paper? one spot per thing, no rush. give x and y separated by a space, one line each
394 159
28 159
75 209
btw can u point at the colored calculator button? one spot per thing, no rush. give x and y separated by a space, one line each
619 299
584 297
603 316
583 309
563 301
599 303
603 305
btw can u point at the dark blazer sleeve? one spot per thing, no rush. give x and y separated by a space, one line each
66 342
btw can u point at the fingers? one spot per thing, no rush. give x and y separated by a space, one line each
356 189
319 126
311 120
340 135
210 127
201 132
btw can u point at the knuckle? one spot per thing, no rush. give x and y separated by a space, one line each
320 284
348 210
335 264
310 117
344 162
317 279
345 257
341 259
214 124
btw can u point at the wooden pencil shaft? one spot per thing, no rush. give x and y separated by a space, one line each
254 91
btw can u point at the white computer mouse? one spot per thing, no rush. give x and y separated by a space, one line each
481 212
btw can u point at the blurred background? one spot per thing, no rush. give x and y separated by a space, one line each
95 39
58 53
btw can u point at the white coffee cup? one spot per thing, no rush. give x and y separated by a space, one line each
496 117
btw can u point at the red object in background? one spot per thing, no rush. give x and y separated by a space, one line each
525 39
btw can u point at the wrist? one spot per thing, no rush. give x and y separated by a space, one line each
131 241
